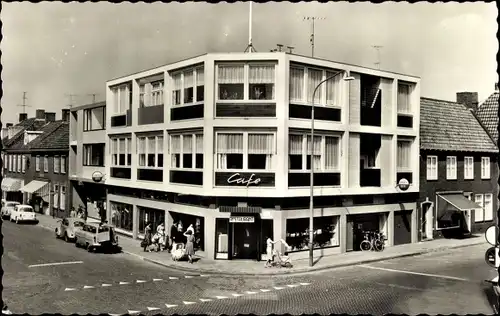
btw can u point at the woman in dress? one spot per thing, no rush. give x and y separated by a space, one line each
269 250
161 232
189 245
147 237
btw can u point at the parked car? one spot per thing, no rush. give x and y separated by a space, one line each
23 213
7 207
93 236
67 228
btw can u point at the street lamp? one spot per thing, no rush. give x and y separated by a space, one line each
311 184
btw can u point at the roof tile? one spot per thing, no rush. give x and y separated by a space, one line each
487 113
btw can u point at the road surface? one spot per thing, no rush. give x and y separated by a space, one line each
81 282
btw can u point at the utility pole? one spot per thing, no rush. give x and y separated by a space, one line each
24 105
312 19
378 47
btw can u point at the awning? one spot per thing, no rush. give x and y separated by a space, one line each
240 209
34 186
459 201
11 184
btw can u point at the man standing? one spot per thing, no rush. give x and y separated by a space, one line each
173 236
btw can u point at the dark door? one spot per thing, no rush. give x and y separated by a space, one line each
350 234
244 241
402 227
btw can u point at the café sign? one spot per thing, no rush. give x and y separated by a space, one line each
238 179
242 219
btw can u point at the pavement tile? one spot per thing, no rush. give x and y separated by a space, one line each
206 266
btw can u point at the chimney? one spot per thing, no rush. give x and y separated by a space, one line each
40 114
65 115
469 99
23 117
50 116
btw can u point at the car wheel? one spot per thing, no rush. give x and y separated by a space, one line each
66 237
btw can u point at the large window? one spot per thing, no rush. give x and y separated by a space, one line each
303 81
246 82
186 151
23 168
198 223
485 213
93 155
245 151
468 168
121 151
326 153
485 168
451 167
57 164
150 215
432 168
94 119
188 86
404 155
63 164
326 232
404 100
122 215
151 93
122 98
150 151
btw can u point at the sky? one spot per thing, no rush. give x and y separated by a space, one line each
53 50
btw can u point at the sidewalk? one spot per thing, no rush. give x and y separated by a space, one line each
249 268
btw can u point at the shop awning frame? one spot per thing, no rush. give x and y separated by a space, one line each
34 186
240 209
459 201
11 184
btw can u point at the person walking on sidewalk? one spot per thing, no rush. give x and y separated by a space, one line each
147 237
161 232
189 245
269 250
173 236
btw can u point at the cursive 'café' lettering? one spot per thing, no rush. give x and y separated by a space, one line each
238 179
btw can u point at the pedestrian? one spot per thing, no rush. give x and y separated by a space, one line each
190 228
173 236
269 250
147 237
161 232
189 245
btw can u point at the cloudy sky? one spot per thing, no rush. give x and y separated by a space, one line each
51 50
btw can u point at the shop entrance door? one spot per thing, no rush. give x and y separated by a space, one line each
402 227
244 241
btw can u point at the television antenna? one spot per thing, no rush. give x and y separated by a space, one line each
250 48
312 19
378 47
71 96
93 96
24 105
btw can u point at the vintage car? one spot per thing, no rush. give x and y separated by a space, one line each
23 213
67 227
93 236
7 207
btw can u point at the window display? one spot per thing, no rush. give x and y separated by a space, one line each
326 232
122 215
151 215
221 238
185 220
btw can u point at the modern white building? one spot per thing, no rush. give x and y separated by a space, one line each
221 141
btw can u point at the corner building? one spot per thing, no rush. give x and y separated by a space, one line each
222 141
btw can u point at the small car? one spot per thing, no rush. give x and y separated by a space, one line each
7 207
67 227
93 236
23 213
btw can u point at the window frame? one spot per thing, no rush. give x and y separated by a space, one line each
305 153
194 152
62 168
323 89
195 70
245 151
147 93
37 163
23 164
246 81
410 160
57 164
429 173
87 119
466 175
19 163
128 151
146 151
46 164
451 169
405 112
490 209
117 97
85 163
485 168
481 203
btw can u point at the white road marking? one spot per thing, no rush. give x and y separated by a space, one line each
204 275
170 306
279 288
189 276
237 295
264 290
401 286
220 297
173 278
69 289
133 312
53 264
123 283
415 273
153 308
140 281
89 287
249 292
305 283
105 284
205 300
292 285
188 303
155 280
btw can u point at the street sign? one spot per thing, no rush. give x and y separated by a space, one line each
491 235
489 257
242 219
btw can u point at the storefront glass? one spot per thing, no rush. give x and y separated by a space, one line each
122 215
152 215
326 232
221 238
198 224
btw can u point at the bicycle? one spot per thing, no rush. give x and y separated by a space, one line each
366 244
372 241
379 241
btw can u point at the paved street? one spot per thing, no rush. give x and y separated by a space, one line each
442 282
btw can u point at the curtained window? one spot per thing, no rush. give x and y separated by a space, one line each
295 152
333 89
142 95
261 82
479 213
485 168
314 78
175 150
121 151
304 80
297 84
231 81
468 168
332 153
188 86
187 151
326 152
177 88
451 167
229 151
260 151
404 155
200 85
404 105
432 173
157 93
141 151
199 151
316 153
57 164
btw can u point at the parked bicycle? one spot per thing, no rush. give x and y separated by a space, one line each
372 241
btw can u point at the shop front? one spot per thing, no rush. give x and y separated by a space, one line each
185 220
454 213
122 217
367 222
325 233
10 189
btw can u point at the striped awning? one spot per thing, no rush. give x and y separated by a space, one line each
240 209
11 184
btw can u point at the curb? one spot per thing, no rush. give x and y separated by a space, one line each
298 271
